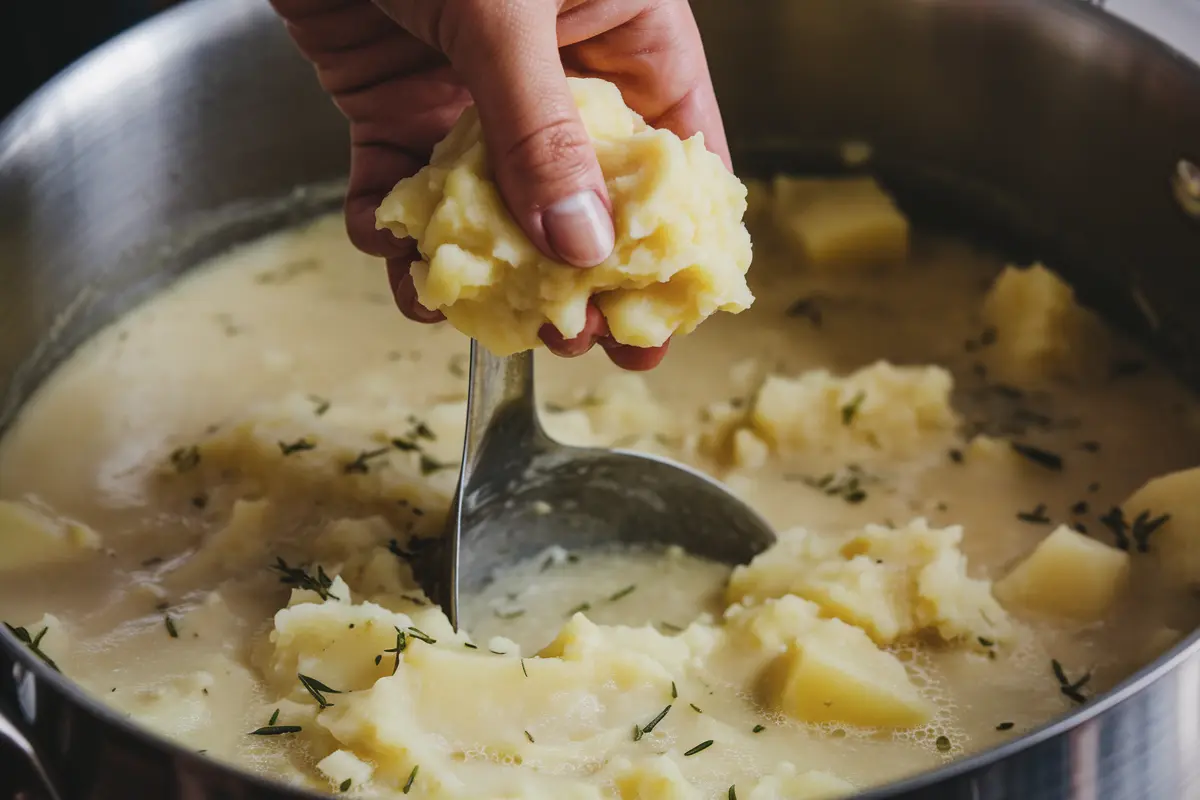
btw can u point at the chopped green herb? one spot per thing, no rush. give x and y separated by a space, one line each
628 590
412 776
699 748
732 794
579 609
276 730
649 727
361 464
1035 517
185 459
758 729
458 365
674 691
200 502
345 787
1005 726
695 708
670 628
523 668
986 642
943 744
34 643
401 646
299 446
172 631
321 405
807 308
430 465
956 456
412 598
405 446
1043 458
274 718
1091 447
637 733
470 646
529 736
296 576
417 633
1080 508
318 690
1073 690
1137 532
850 410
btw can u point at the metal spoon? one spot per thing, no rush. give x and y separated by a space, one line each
520 492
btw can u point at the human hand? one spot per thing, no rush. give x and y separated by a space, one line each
402 71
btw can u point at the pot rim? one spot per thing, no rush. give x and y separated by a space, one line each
186 17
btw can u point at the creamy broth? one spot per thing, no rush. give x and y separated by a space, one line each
301 314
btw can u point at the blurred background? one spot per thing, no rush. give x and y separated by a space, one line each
40 38
37 39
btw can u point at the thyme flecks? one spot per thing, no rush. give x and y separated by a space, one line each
298 577
317 689
301 445
1073 690
1136 533
412 776
1043 458
34 643
276 730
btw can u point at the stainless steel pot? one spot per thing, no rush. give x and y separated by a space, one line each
1048 122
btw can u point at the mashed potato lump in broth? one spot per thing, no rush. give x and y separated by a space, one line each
208 516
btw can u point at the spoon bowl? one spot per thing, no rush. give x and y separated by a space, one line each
520 492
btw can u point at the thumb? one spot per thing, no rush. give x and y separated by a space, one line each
543 159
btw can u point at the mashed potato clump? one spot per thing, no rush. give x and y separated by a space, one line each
681 251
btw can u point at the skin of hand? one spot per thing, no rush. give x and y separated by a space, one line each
402 71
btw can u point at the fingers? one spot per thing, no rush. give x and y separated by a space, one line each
405 292
635 359
594 328
546 169
657 58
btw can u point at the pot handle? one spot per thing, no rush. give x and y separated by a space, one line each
33 782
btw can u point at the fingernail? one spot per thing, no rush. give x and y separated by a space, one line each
579 229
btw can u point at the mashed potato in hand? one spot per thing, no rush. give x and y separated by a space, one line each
681 251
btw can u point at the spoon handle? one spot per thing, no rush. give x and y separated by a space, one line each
500 389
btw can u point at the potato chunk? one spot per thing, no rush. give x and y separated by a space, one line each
841 222
31 538
1041 331
681 250
787 784
1067 575
1168 504
835 673
879 407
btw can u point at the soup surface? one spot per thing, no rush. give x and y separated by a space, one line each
209 513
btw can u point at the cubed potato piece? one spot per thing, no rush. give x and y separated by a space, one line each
749 451
841 222
1041 331
837 674
659 778
787 784
342 765
1175 541
32 538
1067 575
